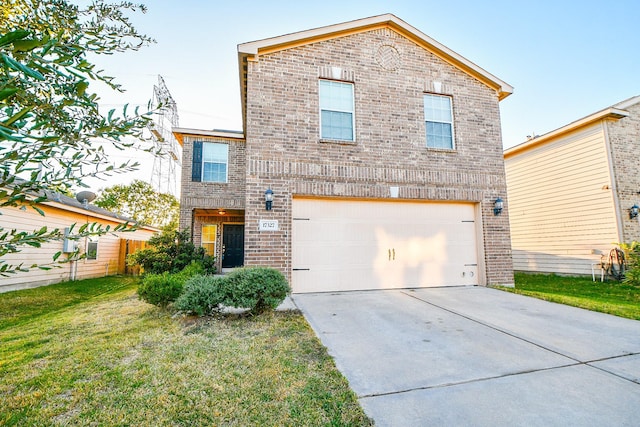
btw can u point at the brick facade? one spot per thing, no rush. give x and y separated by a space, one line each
624 137
284 152
200 201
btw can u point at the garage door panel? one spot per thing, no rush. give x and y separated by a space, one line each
349 245
326 254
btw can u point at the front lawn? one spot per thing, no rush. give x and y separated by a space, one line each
29 304
608 297
103 357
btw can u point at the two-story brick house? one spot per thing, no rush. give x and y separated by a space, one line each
383 151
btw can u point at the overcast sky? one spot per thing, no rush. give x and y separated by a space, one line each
565 59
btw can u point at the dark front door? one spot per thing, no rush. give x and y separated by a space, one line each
232 245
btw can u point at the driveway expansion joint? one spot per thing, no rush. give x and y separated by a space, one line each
610 372
488 364
471 381
495 328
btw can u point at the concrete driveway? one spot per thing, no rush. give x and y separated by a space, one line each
479 356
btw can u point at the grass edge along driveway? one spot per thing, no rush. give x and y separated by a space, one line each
609 297
90 352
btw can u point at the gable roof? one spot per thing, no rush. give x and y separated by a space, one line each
252 50
614 112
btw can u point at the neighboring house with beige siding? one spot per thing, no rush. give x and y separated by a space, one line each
382 149
104 254
571 191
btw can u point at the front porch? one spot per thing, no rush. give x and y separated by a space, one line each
221 232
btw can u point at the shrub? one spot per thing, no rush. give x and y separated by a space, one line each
632 255
194 269
171 251
160 289
201 295
256 288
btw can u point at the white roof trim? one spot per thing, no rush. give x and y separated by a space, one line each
215 133
607 113
253 48
628 103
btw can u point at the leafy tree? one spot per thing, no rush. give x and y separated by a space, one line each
139 201
171 251
49 117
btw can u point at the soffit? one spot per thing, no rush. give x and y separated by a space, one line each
180 133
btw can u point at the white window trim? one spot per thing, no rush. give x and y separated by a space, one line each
453 128
353 111
226 175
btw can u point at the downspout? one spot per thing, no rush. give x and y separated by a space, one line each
614 183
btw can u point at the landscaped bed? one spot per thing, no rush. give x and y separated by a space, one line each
611 297
91 352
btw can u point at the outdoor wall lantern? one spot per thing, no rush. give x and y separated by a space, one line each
268 199
633 212
497 206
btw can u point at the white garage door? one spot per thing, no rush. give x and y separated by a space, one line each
355 245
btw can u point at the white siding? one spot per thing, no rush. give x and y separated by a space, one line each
30 220
561 205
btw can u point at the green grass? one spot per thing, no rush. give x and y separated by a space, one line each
70 355
607 297
17 307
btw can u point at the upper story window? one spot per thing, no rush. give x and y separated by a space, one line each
210 162
336 111
438 117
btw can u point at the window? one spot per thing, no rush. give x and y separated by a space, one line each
209 234
92 248
438 118
209 162
336 110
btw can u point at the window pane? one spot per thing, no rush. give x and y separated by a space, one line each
336 110
92 250
209 232
209 248
214 162
439 135
437 108
438 118
212 152
214 172
336 96
337 125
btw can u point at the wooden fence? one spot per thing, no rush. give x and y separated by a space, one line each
129 246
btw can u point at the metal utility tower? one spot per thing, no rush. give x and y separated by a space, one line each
165 176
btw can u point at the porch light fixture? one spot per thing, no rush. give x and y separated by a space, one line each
268 199
497 206
633 212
